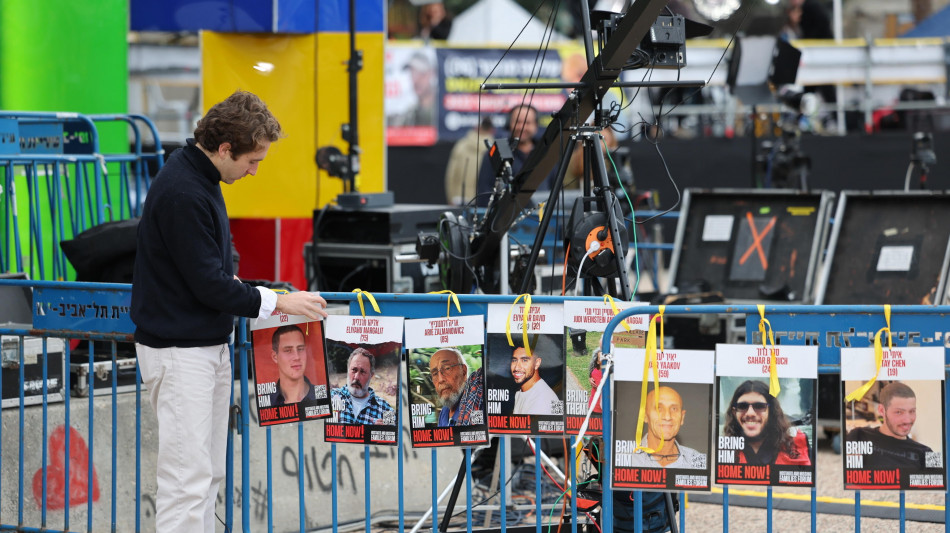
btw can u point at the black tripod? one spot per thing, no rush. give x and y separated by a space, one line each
596 232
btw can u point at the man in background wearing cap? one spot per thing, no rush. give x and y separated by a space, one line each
434 22
423 112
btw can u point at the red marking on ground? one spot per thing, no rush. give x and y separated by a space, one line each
56 472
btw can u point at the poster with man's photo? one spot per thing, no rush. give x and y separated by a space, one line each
894 434
446 381
585 322
763 439
363 359
290 370
673 451
524 385
412 95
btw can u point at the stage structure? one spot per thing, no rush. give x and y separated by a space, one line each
889 247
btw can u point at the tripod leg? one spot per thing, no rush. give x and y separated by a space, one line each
549 209
613 225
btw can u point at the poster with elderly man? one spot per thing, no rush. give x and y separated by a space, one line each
663 443
363 356
446 381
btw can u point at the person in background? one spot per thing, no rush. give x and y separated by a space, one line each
522 129
461 173
434 21
184 300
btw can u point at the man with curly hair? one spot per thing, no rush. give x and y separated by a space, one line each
184 300
757 417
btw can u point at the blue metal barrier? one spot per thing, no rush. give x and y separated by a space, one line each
57 314
69 183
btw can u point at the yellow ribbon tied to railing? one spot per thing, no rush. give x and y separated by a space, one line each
369 296
610 299
524 322
448 303
649 360
859 393
774 387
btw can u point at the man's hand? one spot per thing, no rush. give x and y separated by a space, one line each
309 304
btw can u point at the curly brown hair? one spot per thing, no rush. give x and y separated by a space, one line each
242 120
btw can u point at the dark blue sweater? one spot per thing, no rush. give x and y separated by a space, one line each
183 288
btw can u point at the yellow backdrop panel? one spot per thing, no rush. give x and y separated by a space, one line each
303 79
279 69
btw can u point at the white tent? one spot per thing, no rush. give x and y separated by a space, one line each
497 22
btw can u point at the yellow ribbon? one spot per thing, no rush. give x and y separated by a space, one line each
610 299
448 303
524 322
649 360
774 387
369 296
859 393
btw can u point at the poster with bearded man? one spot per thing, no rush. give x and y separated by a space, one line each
446 381
363 355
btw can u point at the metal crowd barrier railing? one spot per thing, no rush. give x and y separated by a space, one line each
70 184
66 484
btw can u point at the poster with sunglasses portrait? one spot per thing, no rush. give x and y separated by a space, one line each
363 359
894 435
524 385
763 439
674 442
290 370
584 323
446 381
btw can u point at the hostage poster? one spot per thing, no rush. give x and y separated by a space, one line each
894 433
763 439
444 365
363 357
673 451
524 383
584 323
290 370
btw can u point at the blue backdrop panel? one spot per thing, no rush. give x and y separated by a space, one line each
254 16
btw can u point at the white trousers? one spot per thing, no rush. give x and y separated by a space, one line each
190 391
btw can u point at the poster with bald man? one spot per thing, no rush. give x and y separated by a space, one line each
524 382
663 443
894 433
446 381
363 360
290 370
761 438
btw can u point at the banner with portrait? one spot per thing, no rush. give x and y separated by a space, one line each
446 381
673 448
363 360
411 79
524 383
290 369
894 434
584 323
464 70
763 439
